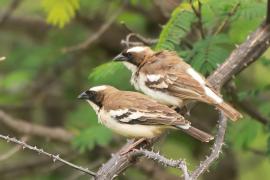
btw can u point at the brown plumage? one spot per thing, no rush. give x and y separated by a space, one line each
169 79
136 115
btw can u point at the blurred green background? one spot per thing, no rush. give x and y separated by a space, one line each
45 70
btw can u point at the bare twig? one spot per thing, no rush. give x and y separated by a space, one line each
41 151
24 127
227 19
268 13
78 174
181 164
198 13
93 37
14 150
257 152
154 171
216 149
252 112
10 9
247 106
143 40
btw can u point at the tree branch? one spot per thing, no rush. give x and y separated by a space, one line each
226 20
13 151
247 106
198 13
93 37
253 112
41 151
143 40
10 9
268 13
245 54
181 164
216 148
24 127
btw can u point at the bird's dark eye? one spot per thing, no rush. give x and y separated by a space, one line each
128 55
90 93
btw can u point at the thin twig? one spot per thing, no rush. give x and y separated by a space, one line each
257 152
267 21
14 150
216 149
93 37
253 112
181 164
10 9
247 106
227 19
198 13
41 151
146 41
24 127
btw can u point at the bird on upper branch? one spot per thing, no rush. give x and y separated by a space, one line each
168 79
135 115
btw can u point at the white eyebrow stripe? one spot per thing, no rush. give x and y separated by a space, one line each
136 49
98 88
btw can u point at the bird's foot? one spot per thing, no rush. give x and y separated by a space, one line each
132 146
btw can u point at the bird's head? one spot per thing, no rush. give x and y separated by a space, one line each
95 95
134 56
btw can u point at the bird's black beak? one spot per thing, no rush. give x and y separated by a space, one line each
83 96
120 57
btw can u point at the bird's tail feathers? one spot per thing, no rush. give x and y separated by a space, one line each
197 134
229 111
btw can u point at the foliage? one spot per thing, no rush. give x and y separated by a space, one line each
87 138
242 134
176 28
84 123
114 74
208 53
60 12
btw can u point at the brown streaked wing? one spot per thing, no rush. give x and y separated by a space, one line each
153 113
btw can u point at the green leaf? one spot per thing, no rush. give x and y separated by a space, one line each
91 136
82 117
176 28
243 133
112 73
252 93
208 53
250 10
16 80
268 146
60 12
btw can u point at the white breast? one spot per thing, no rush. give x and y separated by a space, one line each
139 84
129 130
